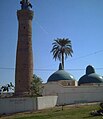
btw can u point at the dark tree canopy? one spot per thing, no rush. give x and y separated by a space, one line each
7 88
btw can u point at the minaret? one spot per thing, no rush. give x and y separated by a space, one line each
24 58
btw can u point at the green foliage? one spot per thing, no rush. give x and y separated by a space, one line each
61 48
36 86
7 87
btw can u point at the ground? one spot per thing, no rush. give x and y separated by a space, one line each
68 112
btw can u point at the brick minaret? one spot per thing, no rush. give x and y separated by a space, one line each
24 58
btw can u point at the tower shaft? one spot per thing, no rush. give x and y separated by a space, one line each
24 55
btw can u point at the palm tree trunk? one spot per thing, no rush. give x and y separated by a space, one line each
63 60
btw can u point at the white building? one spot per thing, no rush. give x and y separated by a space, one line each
64 85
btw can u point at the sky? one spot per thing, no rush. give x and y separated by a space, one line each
79 20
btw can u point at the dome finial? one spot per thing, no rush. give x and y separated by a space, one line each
60 66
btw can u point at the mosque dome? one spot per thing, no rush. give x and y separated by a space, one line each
61 74
90 77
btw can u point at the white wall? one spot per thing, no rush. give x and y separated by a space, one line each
14 105
46 102
53 94
74 94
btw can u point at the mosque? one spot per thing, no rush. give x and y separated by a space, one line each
63 84
60 83
61 87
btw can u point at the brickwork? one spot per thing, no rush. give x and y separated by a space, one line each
24 58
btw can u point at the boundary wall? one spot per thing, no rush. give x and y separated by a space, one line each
74 94
14 105
53 94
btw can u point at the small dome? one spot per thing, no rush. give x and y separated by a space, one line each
90 77
60 75
90 69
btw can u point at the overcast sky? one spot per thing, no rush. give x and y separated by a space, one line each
79 20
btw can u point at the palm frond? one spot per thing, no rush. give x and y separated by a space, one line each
61 46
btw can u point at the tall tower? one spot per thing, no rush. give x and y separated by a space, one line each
24 58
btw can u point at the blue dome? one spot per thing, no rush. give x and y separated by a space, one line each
61 74
90 77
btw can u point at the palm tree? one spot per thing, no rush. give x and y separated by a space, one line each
61 48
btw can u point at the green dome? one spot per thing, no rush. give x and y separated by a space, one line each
90 77
60 75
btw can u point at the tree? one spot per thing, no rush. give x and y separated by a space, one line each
36 86
62 48
7 88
